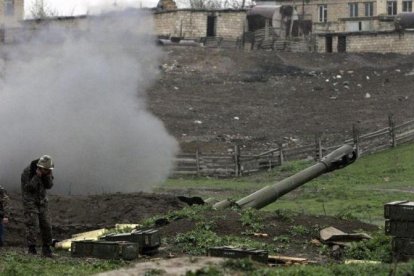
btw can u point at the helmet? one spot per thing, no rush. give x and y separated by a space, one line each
46 162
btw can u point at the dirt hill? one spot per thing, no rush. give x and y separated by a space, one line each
216 98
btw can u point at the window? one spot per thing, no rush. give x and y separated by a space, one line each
407 6
369 9
353 9
392 7
8 7
323 13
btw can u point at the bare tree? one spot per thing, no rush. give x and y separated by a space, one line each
40 10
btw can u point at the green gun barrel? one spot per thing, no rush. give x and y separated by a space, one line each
337 159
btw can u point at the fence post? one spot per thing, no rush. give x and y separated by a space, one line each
391 124
270 161
319 152
198 161
237 171
355 135
281 157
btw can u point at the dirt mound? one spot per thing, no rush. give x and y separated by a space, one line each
72 215
290 233
216 98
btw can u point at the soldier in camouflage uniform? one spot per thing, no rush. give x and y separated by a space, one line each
36 179
4 212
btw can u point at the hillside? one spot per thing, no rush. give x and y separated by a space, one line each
215 98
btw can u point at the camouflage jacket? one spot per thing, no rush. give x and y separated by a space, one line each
34 187
4 203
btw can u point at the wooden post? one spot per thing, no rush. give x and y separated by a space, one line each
319 150
281 158
355 135
198 161
391 124
237 171
270 161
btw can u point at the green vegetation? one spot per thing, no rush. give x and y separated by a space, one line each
357 192
247 267
14 263
197 242
377 249
338 269
251 219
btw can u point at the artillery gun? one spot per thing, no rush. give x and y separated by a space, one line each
338 159
129 246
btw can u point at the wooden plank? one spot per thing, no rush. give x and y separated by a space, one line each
382 130
287 259
407 133
300 149
405 124
405 139
184 173
377 149
374 135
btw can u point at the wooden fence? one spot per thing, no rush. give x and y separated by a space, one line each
237 164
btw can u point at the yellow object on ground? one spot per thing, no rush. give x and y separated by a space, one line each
361 262
90 235
122 226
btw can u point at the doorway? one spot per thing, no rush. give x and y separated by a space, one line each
211 25
341 44
328 43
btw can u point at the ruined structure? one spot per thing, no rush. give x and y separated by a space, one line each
190 23
165 5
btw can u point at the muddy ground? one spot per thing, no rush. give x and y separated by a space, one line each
71 215
214 99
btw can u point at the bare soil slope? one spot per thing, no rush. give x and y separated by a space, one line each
215 98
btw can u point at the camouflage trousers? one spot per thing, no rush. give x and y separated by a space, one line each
37 217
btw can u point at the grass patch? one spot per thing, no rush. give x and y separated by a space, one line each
358 191
338 269
15 263
377 249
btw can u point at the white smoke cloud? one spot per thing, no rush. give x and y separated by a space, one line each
79 96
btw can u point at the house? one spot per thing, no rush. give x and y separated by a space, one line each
351 15
11 13
197 23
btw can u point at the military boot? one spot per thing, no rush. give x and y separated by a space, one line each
32 250
46 251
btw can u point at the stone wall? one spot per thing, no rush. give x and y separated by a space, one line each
382 42
193 23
